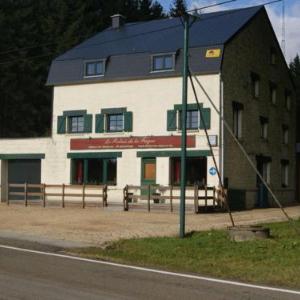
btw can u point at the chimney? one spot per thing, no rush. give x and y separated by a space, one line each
117 21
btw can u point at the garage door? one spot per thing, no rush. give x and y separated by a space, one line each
24 170
21 171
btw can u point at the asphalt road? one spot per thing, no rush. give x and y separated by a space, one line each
33 276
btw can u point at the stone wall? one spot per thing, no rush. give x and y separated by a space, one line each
250 51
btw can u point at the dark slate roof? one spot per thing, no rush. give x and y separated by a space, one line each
128 49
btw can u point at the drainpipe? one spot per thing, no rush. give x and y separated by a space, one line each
222 129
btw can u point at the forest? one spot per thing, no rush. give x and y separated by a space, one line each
34 32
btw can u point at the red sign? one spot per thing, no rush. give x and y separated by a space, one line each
135 142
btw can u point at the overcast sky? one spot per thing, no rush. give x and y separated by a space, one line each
292 18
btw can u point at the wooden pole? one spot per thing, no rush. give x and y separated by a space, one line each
125 198
171 197
44 195
196 198
7 193
214 197
25 194
149 196
105 197
63 196
205 197
83 196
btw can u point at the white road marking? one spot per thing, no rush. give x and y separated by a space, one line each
189 276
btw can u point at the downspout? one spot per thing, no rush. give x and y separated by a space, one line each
222 128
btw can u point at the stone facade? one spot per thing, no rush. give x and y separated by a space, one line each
250 51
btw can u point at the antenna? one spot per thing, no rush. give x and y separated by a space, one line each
283 28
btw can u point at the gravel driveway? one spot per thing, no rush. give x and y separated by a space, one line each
76 227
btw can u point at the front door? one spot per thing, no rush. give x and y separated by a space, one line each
148 173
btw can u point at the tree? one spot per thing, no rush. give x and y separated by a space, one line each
178 8
43 30
295 71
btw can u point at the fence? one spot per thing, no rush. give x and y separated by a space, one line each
49 194
156 196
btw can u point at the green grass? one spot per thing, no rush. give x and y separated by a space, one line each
274 261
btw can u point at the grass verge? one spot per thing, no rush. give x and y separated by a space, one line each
275 261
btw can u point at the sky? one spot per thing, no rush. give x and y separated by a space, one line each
292 18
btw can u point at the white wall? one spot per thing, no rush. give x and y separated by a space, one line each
149 101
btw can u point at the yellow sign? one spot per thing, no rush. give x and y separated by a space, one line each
213 53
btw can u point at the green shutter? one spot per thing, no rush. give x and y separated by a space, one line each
206 118
61 124
88 123
171 120
99 123
128 119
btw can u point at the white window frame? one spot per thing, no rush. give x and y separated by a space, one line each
103 61
162 55
285 174
288 102
238 122
285 135
267 172
274 95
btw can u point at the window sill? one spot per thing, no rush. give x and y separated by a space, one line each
93 76
189 130
76 133
113 133
161 71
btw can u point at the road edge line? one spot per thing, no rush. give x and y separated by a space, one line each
189 276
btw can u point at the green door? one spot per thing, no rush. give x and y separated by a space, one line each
148 173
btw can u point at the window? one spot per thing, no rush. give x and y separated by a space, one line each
266 171
285 173
264 123
288 100
273 93
255 85
237 119
74 121
94 171
115 122
192 119
273 56
264 168
76 124
195 170
163 62
94 68
285 134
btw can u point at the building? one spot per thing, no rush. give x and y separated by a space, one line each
117 108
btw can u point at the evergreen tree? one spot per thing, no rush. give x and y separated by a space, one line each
178 8
295 71
52 27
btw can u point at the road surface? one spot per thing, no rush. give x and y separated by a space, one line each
35 275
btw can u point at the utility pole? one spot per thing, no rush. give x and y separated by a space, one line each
183 124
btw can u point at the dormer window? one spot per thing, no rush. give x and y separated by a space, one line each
94 68
163 62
